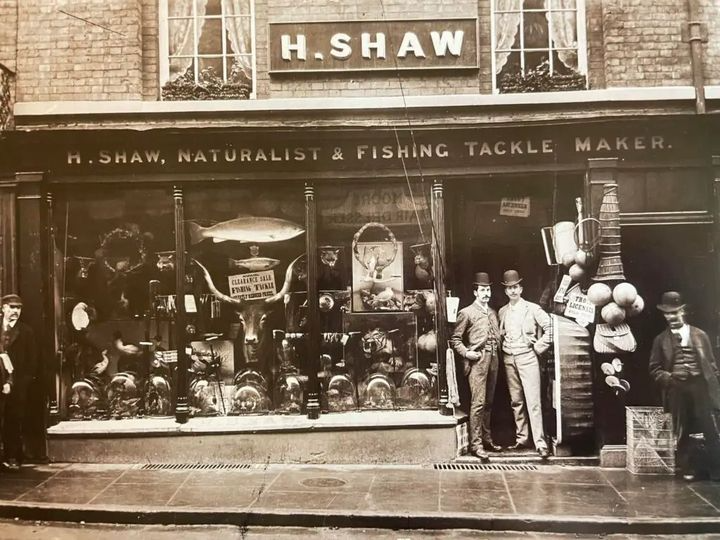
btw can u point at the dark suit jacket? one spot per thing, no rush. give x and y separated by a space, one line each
21 346
663 355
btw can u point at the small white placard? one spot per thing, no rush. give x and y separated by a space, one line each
515 207
253 285
579 308
190 306
562 289
452 303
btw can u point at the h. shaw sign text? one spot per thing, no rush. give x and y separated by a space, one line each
373 45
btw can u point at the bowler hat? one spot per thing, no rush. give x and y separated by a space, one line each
510 278
12 299
671 301
482 278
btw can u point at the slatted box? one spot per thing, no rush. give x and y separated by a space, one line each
650 441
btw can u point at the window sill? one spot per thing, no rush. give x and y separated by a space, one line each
105 108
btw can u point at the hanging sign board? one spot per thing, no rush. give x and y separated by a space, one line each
579 308
253 285
515 207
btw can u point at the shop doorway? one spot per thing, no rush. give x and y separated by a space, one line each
484 238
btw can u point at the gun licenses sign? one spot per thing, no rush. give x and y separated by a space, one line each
373 45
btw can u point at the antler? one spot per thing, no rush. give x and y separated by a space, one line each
220 296
286 286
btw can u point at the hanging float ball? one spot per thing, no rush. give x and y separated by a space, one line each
582 258
637 306
568 259
613 314
624 294
599 294
576 273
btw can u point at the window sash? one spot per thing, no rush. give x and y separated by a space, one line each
519 45
225 54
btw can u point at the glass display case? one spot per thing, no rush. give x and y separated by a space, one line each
247 272
112 251
376 297
245 296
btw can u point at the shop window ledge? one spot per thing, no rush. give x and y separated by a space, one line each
353 421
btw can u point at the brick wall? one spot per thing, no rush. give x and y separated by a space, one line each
150 50
643 45
61 57
709 13
115 54
8 33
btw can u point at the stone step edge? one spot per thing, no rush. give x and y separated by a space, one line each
140 515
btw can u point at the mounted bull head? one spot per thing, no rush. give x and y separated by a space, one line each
252 313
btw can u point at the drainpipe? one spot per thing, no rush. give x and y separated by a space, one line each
695 33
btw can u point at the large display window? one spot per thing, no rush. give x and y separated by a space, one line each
376 297
114 251
245 330
247 273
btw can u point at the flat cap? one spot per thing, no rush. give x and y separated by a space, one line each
12 299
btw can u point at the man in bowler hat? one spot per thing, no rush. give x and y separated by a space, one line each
683 364
525 334
475 340
17 340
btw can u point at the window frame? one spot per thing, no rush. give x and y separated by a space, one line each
580 22
164 46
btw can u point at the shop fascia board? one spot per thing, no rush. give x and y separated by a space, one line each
318 112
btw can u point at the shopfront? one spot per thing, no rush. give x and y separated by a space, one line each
275 274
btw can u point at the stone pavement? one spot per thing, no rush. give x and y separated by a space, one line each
548 498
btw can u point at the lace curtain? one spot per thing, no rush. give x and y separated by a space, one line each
506 29
564 31
238 29
180 33
563 28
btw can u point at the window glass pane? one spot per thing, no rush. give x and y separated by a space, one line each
536 60
211 68
118 249
210 38
534 4
180 67
563 4
247 239
375 277
507 31
535 30
213 7
508 63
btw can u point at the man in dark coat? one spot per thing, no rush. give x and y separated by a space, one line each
475 340
683 364
17 340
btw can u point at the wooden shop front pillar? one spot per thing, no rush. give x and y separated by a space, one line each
34 285
313 314
439 258
716 239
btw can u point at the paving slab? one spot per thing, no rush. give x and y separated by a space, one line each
548 498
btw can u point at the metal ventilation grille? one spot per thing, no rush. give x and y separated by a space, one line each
194 466
482 467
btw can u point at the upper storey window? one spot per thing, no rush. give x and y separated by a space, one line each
538 45
207 49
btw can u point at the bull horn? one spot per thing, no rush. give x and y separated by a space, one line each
220 296
286 286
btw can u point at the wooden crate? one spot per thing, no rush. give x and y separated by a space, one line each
650 441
